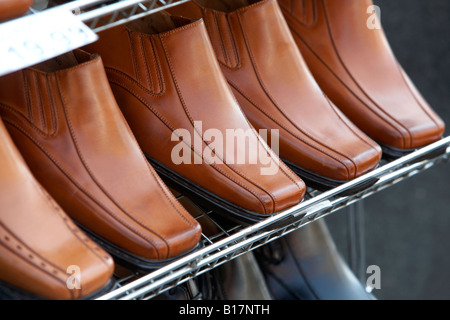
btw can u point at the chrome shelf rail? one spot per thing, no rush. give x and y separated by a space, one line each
234 240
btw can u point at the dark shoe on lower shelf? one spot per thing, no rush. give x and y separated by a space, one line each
305 265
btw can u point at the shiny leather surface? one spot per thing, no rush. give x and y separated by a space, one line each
239 279
305 265
13 8
38 241
357 69
275 89
63 117
165 77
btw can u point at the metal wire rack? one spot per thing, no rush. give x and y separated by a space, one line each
223 241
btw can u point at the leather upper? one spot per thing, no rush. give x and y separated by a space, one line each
38 241
13 8
355 66
275 89
165 77
63 117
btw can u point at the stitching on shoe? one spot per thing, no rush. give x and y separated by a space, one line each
133 56
358 85
274 120
233 41
89 244
120 73
157 63
27 94
74 139
41 104
213 40
216 23
73 181
23 117
21 113
32 257
25 256
291 13
179 29
284 169
53 110
366 141
276 105
36 88
171 128
185 107
257 4
415 97
354 132
233 45
344 85
144 57
51 106
165 121
165 191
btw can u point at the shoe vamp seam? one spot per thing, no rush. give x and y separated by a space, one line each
79 187
270 97
171 129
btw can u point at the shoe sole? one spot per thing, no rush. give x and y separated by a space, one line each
211 202
391 153
322 183
130 260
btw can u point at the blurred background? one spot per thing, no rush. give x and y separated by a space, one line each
406 228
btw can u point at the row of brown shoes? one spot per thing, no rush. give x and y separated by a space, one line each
89 136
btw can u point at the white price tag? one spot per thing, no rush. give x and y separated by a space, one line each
39 37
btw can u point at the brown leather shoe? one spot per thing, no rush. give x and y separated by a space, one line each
274 87
14 8
165 78
63 117
40 247
353 63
